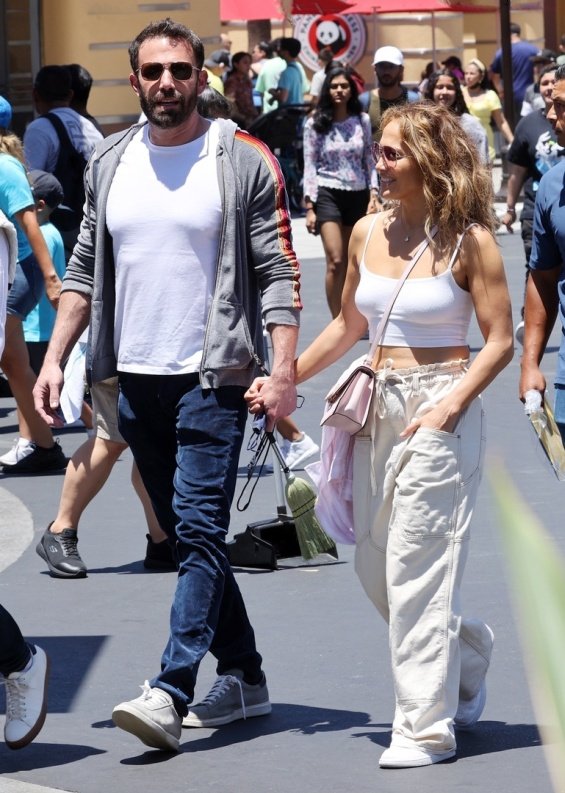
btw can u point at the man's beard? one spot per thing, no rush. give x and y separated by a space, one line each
388 80
167 117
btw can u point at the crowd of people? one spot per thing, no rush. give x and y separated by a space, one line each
399 187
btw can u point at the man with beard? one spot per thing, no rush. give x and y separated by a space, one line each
545 290
186 243
389 70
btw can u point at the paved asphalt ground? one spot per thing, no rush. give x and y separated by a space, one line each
325 649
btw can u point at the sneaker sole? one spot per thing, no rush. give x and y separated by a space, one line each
28 738
10 470
149 733
53 571
416 762
192 720
470 724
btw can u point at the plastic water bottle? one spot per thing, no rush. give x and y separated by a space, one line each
533 408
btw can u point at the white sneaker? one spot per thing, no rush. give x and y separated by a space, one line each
26 701
412 757
519 332
152 718
297 452
20 448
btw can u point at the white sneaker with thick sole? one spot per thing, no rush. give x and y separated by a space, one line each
412 757
298 452
26 701
152 718
229 699
20 449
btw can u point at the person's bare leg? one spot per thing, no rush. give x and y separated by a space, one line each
155 531
21 377
335 248
87 416
86 473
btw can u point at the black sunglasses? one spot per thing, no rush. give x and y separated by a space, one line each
180 70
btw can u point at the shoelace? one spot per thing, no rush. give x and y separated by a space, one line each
68 544
221 687
153 693
15 697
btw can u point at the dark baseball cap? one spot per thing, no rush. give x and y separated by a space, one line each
218 58
46 186
544 56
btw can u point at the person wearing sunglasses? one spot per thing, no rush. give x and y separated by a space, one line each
184 251
339 175
416 464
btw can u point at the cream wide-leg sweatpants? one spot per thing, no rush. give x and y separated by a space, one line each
413 502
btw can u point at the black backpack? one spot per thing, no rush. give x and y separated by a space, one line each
69 170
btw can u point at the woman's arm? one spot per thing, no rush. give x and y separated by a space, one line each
482 266
313 143
503 125
28 221
349 326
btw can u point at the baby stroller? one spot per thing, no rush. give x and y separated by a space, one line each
281 130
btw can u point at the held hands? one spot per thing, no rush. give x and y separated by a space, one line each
46 393
273 396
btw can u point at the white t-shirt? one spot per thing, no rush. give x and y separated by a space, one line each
41 142
164 214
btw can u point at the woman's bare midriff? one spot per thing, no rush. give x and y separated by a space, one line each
407 357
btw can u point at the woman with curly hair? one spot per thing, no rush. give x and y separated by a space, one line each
416 464
338 174
444 88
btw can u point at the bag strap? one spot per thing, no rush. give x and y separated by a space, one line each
61 130
386 313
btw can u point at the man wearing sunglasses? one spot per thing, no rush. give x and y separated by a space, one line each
177 307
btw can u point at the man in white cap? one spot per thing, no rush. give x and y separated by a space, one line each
389 70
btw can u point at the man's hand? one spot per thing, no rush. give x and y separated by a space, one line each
273 396
532 379
508 219
46 394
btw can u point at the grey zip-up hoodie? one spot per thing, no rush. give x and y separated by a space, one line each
257 272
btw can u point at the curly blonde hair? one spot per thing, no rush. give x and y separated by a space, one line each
11 144
457 186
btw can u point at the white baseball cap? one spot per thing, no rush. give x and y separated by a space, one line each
389 55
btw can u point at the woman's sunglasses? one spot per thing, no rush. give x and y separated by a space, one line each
389 155
180 70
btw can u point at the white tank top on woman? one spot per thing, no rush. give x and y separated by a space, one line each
432 311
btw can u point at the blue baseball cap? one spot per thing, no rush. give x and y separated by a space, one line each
5 113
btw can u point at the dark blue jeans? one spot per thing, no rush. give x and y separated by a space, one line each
186 443
14 652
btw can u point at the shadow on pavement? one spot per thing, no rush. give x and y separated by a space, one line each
44 755
65 679
486 738
285 717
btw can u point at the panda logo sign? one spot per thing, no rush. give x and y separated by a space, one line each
343 34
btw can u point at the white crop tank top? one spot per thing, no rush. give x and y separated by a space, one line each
431 311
